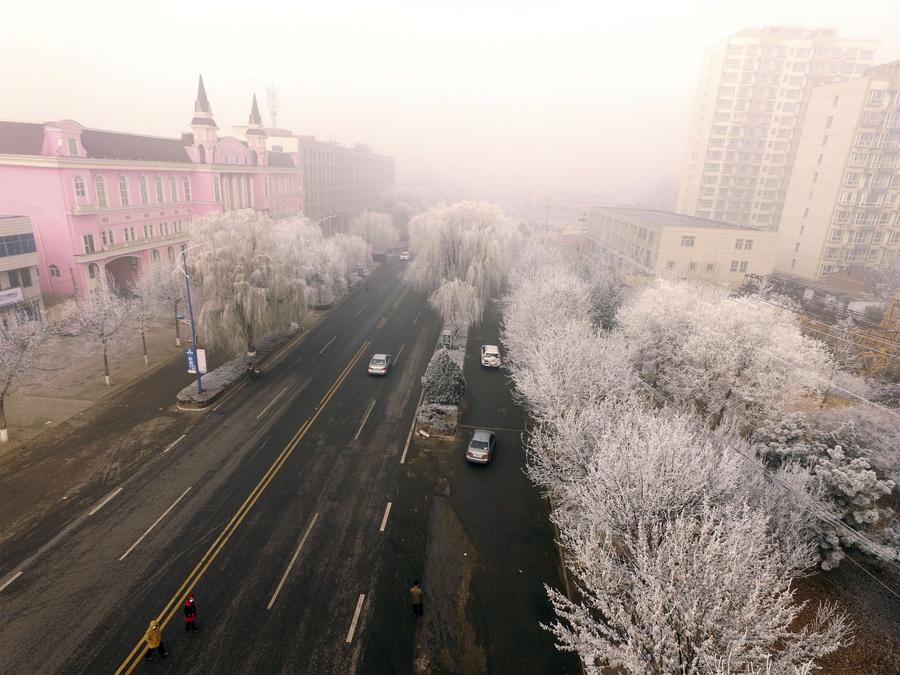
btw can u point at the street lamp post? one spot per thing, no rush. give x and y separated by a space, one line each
187 282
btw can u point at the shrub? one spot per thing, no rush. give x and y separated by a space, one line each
444 381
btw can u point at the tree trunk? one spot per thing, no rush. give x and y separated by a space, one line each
4 432
105 364
144 343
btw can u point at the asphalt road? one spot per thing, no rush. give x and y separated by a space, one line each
273 508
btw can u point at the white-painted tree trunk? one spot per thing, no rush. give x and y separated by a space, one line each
108 380
4 435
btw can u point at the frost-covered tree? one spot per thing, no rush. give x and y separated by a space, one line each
458 304
469 241
444 381
23 345
250 277
376 229
101 318
170 293
727 359
327 264
144 302
402 204
608 290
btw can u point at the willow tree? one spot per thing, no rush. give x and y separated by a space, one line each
247 270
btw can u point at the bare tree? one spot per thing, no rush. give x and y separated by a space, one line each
100 317
23 339
170 294
144 302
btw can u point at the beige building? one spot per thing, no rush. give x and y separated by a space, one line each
19 287
675 245
748 111
339 181
842 205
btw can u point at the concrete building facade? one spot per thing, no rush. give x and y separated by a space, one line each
340 181
665 244
104 203
19 276
843 205
748 112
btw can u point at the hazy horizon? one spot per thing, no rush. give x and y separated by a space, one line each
493 97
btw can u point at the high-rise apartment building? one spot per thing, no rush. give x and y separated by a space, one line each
749 109
843 205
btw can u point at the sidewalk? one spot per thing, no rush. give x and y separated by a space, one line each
76 382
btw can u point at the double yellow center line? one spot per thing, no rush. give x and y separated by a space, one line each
197 573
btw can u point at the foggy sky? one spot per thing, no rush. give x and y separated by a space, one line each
533 96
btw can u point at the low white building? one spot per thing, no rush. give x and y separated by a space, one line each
19 287
679 246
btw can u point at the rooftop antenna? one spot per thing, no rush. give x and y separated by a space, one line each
273 105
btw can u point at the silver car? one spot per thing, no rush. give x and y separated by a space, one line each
481 447
490 356
380 364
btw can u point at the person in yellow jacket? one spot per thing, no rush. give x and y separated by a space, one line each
153 637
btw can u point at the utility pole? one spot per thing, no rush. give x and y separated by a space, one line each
187 282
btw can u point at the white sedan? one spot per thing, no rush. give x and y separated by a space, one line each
380 364
490 356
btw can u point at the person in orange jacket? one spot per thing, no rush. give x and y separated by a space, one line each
153 637
190 613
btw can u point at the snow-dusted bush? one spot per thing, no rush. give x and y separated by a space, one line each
444 381
849 486
437 418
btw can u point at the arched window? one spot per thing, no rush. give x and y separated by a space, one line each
123 190
54 271
145 198
217 188
187 188
100 186
155 255
173 188
80 190
202 155
159 191
93 271
171 253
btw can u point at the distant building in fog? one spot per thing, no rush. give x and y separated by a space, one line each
843 206
674 245
748 112
107 203
340 180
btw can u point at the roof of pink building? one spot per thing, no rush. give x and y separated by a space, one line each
280 159
113 145
21 138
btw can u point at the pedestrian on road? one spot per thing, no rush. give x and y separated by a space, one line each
190 614
153 636
415 594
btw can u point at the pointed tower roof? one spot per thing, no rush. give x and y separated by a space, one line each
202 109
256 125
202 103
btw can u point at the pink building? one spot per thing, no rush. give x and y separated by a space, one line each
105 202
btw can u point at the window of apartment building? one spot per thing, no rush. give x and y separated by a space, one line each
872 118
877 237
173 189
796 247
831 253
159 189
802 227
88 241
154 254
108 237
848 197
876 97
824 140
20 278
148 231
748 244
80 190
710 267
692 266
687 241
793 263
100 187
859 159
895 237
217 189
123 190
852 178
54 271
869 199
884 218
878 181
739 245
865 139
164 229
861 237
129 234
186 184
895 181
142 183
841 217
670 264
826 269
743 266
734 265
815 177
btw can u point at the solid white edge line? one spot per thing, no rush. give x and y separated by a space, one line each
359 604
411 428
103 503
271 403
360 311
293 560
417 318
365 419
174 443
149 529
10 580
387 512
328 343
399 353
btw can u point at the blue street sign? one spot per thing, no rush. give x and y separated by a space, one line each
191 360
